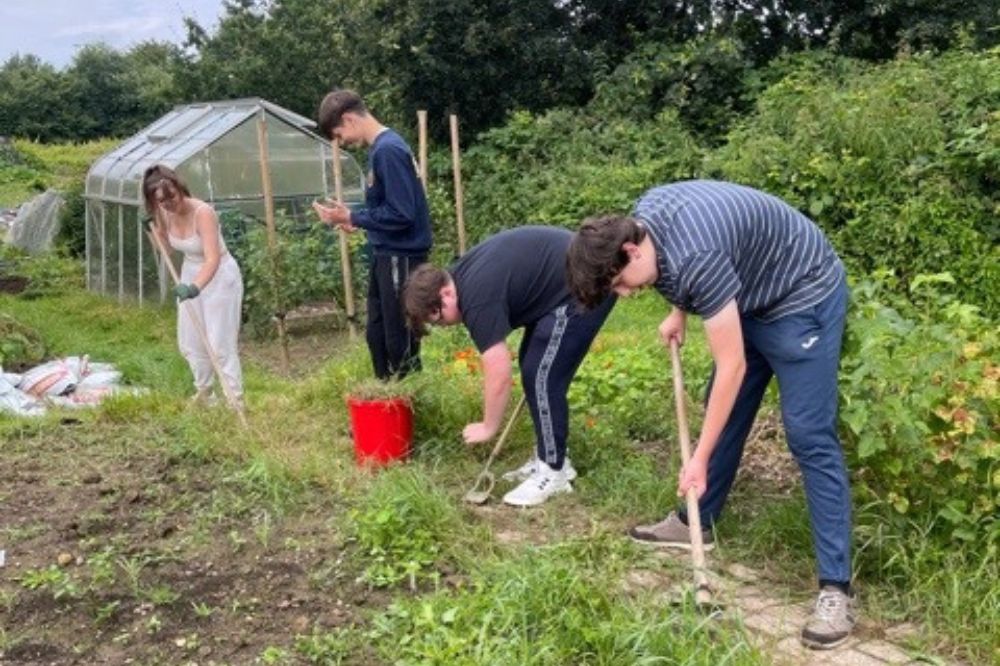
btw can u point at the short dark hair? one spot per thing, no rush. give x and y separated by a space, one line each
596 256
422 296
157 178
335 105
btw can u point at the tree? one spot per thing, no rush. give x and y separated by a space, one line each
288 51
32 100
150 72
101 97
478 59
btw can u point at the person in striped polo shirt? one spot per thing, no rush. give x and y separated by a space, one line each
772 295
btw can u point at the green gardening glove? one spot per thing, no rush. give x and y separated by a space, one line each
186 291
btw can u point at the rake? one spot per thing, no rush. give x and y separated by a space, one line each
476 494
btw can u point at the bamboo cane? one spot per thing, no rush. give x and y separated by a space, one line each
422 146
457 169
345 255
272 237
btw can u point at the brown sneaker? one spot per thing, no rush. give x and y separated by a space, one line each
669 533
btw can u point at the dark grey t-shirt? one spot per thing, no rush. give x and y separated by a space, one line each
718 241
510 280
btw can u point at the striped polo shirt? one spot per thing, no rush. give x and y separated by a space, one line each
718 241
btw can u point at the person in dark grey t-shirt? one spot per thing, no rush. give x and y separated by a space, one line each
772 294
516 279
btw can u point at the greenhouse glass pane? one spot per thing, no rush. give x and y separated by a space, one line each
130 251
234 161
351 177
176 126
96 245
294 159
94 183
151 288
110 225
195 174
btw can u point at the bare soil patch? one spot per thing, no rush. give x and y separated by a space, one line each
119 552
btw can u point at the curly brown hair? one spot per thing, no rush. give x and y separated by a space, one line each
596 256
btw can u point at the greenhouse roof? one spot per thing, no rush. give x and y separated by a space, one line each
173 139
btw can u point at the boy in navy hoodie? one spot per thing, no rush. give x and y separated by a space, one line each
396 218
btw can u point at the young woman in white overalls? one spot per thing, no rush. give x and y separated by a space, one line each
210 283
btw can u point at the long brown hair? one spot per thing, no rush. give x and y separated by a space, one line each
158 179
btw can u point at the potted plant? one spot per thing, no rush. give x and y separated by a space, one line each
381 421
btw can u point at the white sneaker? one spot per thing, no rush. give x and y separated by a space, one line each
529 468
538 487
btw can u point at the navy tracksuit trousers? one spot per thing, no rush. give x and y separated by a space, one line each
551 351
803 351
395 351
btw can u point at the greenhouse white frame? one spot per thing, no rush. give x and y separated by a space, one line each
214 148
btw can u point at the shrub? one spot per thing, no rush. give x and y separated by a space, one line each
562 166
898 163
921 407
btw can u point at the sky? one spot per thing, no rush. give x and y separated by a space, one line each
53 30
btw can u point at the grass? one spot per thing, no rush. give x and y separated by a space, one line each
44 166
457 590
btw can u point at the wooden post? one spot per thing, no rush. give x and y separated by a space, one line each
422 150
272 237
457 168
345 255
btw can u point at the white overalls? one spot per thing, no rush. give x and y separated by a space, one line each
217 307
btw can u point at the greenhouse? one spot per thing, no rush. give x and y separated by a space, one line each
215 149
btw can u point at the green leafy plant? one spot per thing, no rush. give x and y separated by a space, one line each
304 268
920 406
53 579
401 527
554 605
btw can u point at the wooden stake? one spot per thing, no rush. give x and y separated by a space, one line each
227 390
457 169
345 255
272 237
422 150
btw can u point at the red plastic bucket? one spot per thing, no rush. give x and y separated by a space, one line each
383 429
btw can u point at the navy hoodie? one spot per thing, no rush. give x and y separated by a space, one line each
395 216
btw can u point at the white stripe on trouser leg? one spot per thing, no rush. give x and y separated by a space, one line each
406 329
221 300
541 384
